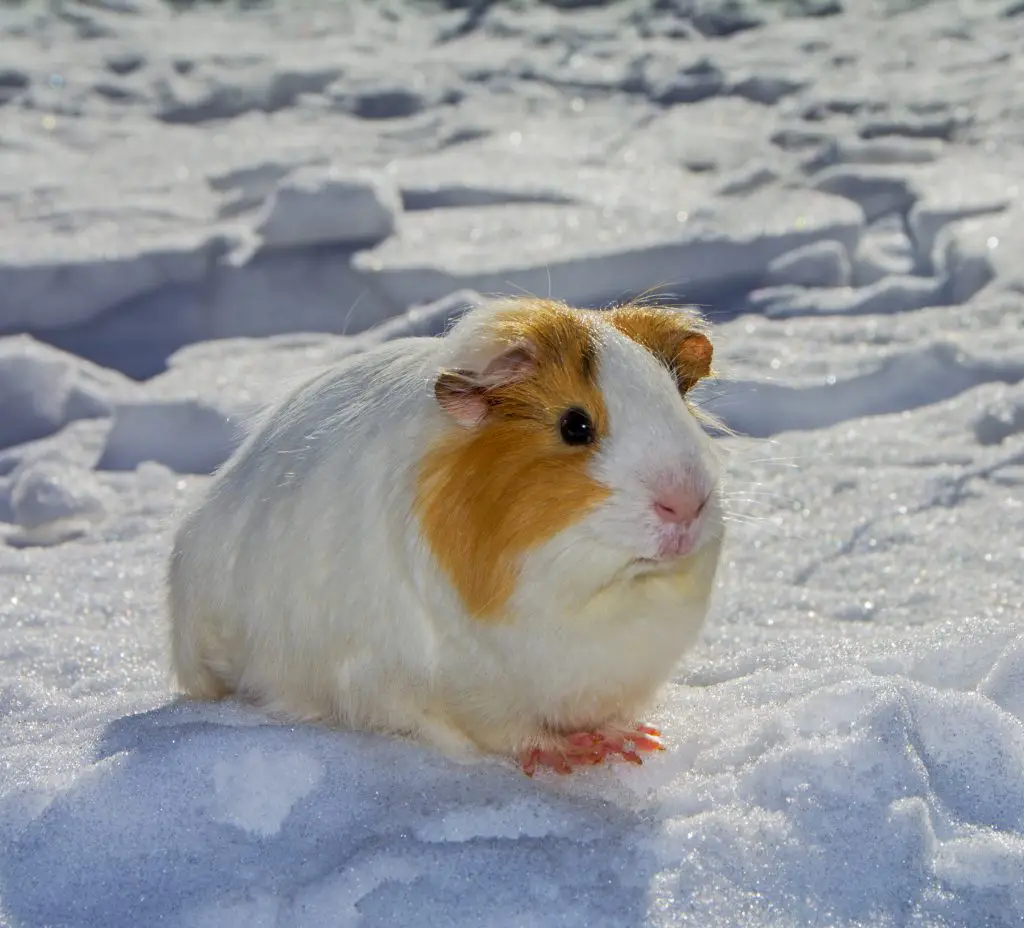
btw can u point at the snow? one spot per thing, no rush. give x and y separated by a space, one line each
188 436
711 246
44 389
198 206
315 206
256 791
52 499
820 264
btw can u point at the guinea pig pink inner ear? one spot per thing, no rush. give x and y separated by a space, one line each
514 364
694 359
463 394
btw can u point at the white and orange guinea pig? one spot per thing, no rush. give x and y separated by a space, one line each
497 542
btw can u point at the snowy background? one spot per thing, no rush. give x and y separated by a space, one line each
198 204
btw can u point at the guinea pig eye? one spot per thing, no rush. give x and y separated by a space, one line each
576 427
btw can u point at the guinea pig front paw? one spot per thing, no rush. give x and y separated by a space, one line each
587 748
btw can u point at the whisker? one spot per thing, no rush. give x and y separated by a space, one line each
352 309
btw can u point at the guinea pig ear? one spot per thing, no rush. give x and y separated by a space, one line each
463 393
693 360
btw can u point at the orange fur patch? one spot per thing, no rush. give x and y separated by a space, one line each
489 494
677 338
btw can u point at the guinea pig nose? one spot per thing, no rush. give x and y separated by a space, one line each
678 507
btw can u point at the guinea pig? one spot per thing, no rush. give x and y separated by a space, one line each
499 541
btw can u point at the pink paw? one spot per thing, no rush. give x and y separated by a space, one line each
587 748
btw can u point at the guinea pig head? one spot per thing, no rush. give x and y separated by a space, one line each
572 456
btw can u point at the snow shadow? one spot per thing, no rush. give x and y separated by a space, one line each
209 816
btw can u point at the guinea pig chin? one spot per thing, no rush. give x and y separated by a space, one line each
670 521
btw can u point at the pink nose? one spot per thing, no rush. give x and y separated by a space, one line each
679 508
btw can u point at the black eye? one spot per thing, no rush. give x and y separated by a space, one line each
576 427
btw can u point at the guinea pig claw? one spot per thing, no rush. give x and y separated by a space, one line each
641 743
633 741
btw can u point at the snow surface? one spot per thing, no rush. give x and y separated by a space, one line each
200 203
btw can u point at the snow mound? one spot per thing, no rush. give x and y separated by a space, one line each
53 501
773 776
1001 418
42 389
1004 683
906 381
575 251
893 293
315 206
821 264
188 436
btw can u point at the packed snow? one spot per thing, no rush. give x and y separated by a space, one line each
200 204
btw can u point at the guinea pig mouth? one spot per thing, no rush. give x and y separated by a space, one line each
640 566
668 560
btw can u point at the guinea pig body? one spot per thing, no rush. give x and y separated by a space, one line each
498 541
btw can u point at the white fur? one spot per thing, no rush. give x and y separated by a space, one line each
303 582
